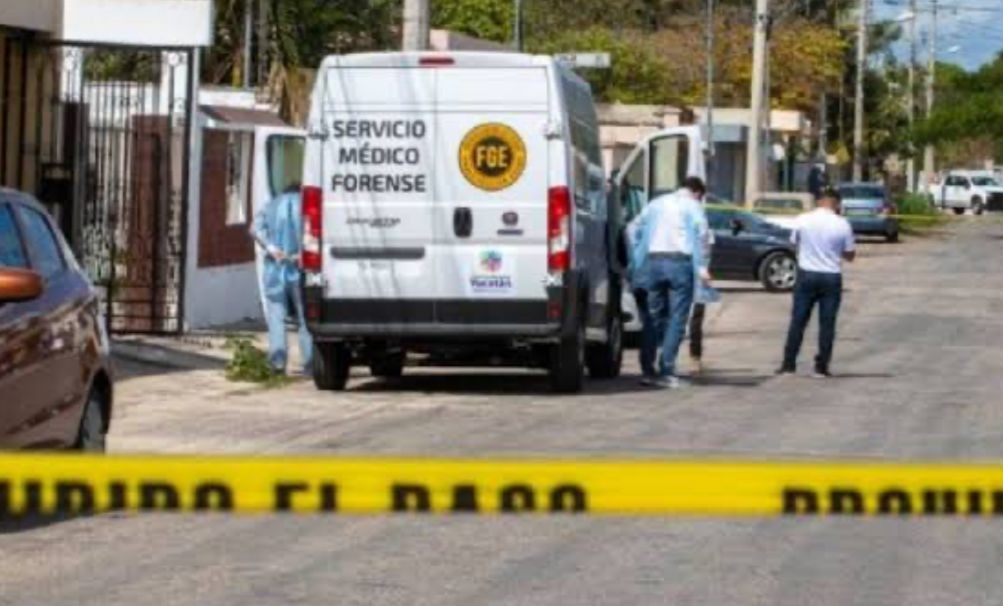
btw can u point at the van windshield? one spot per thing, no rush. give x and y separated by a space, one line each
984 181
285 163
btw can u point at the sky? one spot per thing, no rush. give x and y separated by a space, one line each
976 26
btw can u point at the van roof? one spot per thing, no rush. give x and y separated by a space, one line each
414 59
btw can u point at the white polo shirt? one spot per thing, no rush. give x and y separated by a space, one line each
822 237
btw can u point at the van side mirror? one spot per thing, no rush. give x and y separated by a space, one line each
736 226
19 285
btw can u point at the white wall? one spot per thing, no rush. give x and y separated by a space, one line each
38 15
138 22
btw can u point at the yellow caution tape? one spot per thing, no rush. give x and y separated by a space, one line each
782 212
51 483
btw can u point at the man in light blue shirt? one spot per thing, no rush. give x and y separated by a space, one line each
671 242
277 228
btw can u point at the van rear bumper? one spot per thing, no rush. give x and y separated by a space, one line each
460 319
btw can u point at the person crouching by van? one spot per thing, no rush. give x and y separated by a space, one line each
277 228
674 226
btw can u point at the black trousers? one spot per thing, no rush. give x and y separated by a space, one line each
696 330
826 291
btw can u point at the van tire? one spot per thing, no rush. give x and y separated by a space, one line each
977 206
331 364
567 362
958 210
605 359
388 366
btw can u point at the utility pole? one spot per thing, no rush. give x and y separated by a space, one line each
710 90
928 159
248 33
415 36
517 27
858 110
911 163
754 149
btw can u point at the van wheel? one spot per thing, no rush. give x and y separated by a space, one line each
331 364
958 211
91 435
604 359
567 363
388 366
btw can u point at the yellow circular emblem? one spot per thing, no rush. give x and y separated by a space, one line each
492 156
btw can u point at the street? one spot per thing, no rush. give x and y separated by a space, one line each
918 369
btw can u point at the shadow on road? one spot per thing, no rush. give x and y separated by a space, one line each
17 524
491 383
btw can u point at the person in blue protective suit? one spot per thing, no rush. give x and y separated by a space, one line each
277 228
670 239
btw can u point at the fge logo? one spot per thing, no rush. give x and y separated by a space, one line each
492 156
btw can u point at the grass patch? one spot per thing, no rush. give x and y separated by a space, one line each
249 364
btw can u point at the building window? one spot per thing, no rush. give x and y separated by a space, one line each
238 177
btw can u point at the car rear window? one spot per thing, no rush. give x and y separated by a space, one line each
859 191
11 249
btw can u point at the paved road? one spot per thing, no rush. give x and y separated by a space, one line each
919 374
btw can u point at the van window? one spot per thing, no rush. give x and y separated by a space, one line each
633 194
285 162
669 163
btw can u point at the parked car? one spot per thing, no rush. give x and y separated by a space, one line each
749 247
961 190
867 208
782 208
454 205
55 371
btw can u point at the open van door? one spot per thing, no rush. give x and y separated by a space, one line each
278 165
658 165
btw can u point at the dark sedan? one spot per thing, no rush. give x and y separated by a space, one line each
747 247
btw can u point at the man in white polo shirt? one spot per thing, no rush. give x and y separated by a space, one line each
824 240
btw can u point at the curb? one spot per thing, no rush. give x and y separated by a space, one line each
166 357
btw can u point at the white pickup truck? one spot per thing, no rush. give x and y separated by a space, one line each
961 190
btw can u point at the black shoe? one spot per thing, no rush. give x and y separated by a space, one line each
784 371
821 374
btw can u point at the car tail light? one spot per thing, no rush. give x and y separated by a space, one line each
312 230
558 229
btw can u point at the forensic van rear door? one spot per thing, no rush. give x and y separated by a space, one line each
378 208
491 185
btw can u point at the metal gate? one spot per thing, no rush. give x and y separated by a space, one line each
104 141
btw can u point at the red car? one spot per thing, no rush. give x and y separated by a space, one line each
55 371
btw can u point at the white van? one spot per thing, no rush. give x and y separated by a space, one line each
454 206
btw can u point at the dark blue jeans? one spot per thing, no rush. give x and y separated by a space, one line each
827 291
670 298
649 340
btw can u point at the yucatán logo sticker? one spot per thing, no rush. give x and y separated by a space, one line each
492 156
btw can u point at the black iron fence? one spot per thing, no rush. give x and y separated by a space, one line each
102 136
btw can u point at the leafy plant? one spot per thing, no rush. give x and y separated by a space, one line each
248 363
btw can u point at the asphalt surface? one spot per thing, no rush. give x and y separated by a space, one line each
919 375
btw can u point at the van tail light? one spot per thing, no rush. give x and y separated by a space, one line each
310 254
558 229
436 61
